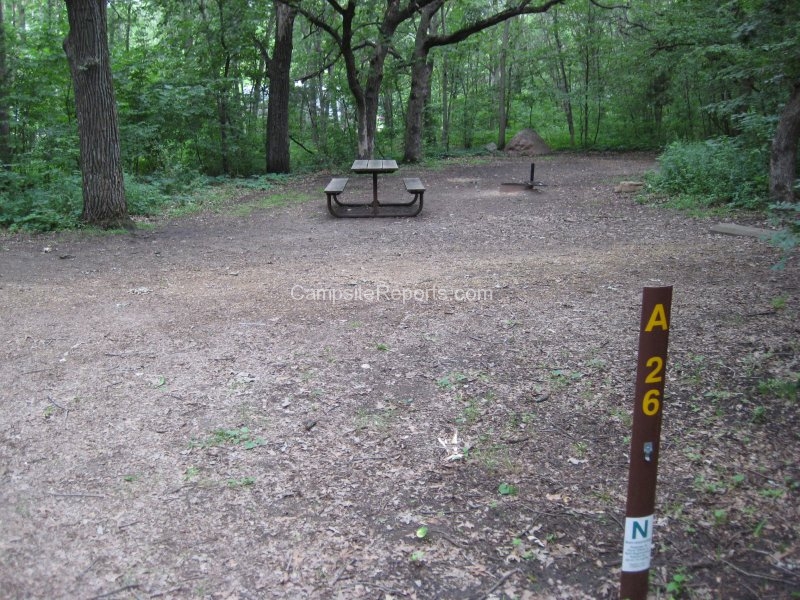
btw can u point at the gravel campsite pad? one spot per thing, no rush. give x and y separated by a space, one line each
271 403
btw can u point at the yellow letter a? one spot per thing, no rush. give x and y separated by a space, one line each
658 318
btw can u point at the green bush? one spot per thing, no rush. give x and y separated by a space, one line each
716 172
786 215
43 204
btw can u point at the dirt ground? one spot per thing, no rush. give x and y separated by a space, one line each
273 403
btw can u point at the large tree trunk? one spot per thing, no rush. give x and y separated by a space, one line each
562 82
420 86
279 89
368 110
5 130
503 85
445 105
783 157
86 47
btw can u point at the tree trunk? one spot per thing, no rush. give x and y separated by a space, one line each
445 105
279 88
783 156
420 79
368 110
503 84
5 129
86 47
563 82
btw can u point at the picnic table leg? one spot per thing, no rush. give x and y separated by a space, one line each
375 193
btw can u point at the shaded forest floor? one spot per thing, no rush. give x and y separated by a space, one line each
243 404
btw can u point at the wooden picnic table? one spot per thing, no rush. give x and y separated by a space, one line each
375 208
376 167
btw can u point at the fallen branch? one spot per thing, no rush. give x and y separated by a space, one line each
758 575
76 495
132 586
500 582
340 572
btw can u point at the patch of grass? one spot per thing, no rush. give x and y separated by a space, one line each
701 484
738 479
677 584
623 416
580 449
470 413
759 528
597 363
772 493
246 209
241 482
239 437
759 415
779 302
720 516
449 381
562 378
374 419
489 455
782 388
506 489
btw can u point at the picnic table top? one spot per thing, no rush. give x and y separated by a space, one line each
374 166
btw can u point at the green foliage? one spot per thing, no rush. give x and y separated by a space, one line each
241 437
507 489
44 201
718 172
787 216
191 94
677 585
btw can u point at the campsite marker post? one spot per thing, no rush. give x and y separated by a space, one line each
645 442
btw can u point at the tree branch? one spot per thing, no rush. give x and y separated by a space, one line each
613 7
320 71
458 36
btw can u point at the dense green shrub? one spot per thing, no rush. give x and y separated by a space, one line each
43 204
715 172
787 216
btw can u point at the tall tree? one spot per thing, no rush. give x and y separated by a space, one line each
421 69
5 129
783 154
414 115
279 66
365 85
86 47
503 85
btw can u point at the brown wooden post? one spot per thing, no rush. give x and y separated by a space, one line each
645 442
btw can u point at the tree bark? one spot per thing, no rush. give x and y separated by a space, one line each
421 70
783 155
86 47
5 129
503 84
562 82
278 155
